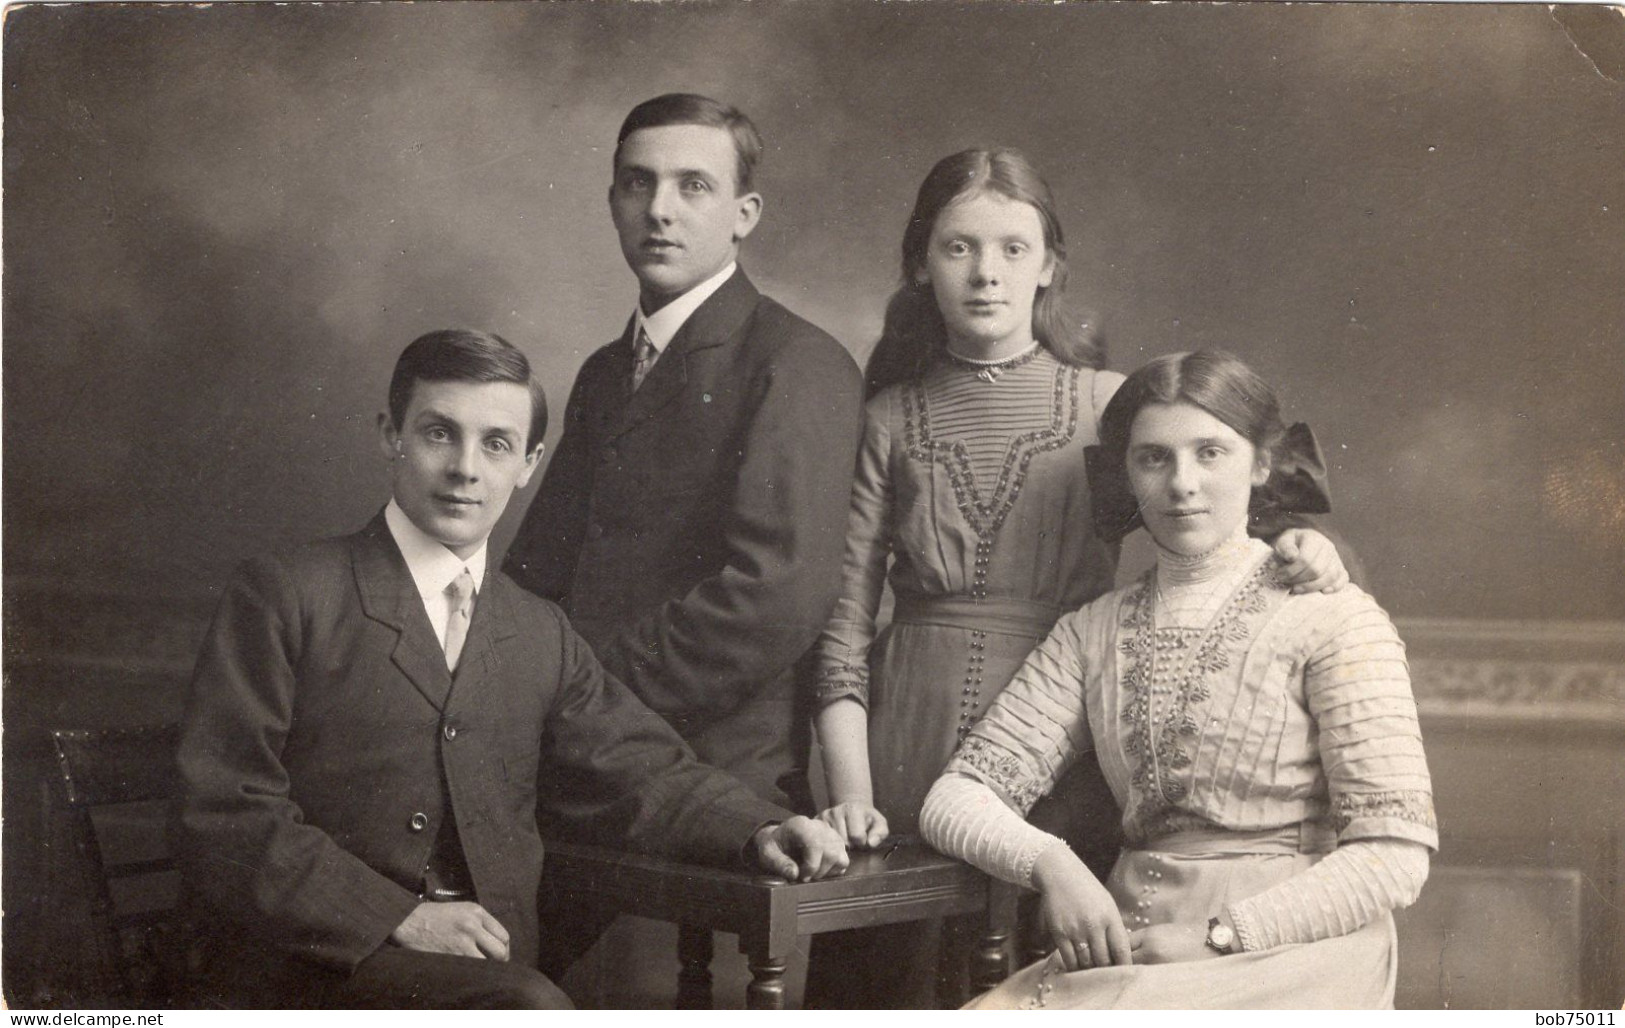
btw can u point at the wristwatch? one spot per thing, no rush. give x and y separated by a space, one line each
1220 936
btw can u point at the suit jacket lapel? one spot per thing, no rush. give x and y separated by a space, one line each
493 622
714 323
388 596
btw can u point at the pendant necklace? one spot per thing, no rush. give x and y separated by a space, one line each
990 370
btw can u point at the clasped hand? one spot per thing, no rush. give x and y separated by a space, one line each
800 849
1078 913
461 929
859 823
1083 921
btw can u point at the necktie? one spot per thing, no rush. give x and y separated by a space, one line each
644 354
460 601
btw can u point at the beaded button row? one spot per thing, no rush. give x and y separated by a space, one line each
970 701
1143 904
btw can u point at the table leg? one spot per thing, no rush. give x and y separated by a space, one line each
766 989
694 949
989 965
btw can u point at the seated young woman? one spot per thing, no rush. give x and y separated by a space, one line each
1262 745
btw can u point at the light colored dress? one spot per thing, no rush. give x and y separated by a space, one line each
1265 751
975 492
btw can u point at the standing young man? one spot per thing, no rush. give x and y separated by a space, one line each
692 522
375 720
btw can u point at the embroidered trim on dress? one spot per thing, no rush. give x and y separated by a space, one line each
999 768
985 516
1412 805
1162 748
840 683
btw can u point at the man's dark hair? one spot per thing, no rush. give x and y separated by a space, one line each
694 109
464 355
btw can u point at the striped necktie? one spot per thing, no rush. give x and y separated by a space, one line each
644 354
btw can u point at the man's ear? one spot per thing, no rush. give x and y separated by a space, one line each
749 213
389 440
533 460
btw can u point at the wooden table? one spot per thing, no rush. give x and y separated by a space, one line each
908 882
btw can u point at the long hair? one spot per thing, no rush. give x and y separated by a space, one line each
914 332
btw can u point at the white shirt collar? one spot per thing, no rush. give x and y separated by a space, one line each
666 322
433 567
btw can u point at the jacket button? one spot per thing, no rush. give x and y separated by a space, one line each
609 455
450 732
595 531
420 821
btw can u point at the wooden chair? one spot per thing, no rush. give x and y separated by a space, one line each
112 870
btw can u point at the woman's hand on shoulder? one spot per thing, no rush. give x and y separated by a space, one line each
1173 943
1310 562
1079 914
859 823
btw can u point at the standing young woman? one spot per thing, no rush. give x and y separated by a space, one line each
1262 745
970 486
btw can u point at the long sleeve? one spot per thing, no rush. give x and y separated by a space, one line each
1343 893
964 818
618 769
1014 756
842 651
782 531
1381 803
240 834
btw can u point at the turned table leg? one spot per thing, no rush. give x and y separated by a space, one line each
694 949
990 964
766 989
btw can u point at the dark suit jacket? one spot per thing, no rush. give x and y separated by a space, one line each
325 741
694 529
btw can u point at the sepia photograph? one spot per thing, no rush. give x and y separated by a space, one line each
843 505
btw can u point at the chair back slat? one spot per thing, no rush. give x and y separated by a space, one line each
110 796
116 765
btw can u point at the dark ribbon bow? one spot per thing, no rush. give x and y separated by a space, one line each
1297 485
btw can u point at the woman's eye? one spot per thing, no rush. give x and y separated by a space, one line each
958 248
436 434
1016 250
1210 452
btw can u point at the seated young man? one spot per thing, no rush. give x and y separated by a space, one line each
375 719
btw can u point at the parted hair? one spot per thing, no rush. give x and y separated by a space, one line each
914 332
464 355
1215 381
694 109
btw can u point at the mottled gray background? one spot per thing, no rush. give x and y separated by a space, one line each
222 223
